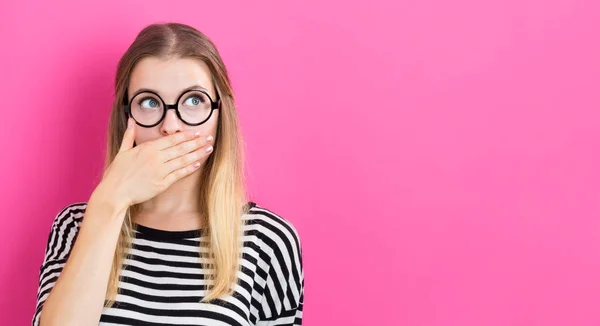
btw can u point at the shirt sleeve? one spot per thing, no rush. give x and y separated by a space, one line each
283 296
62 236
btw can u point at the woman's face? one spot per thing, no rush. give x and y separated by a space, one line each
169 78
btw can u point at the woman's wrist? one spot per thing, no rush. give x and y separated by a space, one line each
107 198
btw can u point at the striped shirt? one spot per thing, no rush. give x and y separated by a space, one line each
162 280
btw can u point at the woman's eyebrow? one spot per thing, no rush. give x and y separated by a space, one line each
157 92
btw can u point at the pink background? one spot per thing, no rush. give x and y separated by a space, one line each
439 158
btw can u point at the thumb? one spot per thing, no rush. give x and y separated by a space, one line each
128 137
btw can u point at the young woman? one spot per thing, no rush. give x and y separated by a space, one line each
168 237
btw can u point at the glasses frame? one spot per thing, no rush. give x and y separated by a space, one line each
213 106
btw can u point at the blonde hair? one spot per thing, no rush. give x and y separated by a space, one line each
223 196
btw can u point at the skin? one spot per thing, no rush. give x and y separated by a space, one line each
161 173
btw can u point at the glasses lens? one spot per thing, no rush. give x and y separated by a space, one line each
194 107
146 108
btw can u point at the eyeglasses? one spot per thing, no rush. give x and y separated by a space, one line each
194 107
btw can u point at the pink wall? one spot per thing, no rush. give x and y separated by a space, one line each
440 159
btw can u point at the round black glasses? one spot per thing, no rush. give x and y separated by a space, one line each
194 107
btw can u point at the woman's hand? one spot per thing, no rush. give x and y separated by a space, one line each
139 173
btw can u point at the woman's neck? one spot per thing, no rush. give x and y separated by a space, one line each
175 208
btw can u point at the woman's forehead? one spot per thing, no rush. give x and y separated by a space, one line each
169 77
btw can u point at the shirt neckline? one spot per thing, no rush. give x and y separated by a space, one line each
175 235
169 235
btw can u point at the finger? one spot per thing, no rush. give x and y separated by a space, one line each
181 173
185 147
174 139
128 137
188 159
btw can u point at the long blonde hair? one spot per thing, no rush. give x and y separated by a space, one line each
223 196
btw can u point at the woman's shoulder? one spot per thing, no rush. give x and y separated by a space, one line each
273 229
70 214
63 232
282 253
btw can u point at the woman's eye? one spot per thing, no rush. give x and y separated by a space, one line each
193 101
149 103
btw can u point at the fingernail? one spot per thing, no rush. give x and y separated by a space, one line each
197 134
129 123
209 149
209 138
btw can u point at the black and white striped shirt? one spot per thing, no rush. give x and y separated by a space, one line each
162 280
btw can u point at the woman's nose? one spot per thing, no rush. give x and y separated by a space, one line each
171 124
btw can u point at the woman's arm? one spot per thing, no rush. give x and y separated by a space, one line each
77 297
135 175
283 296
